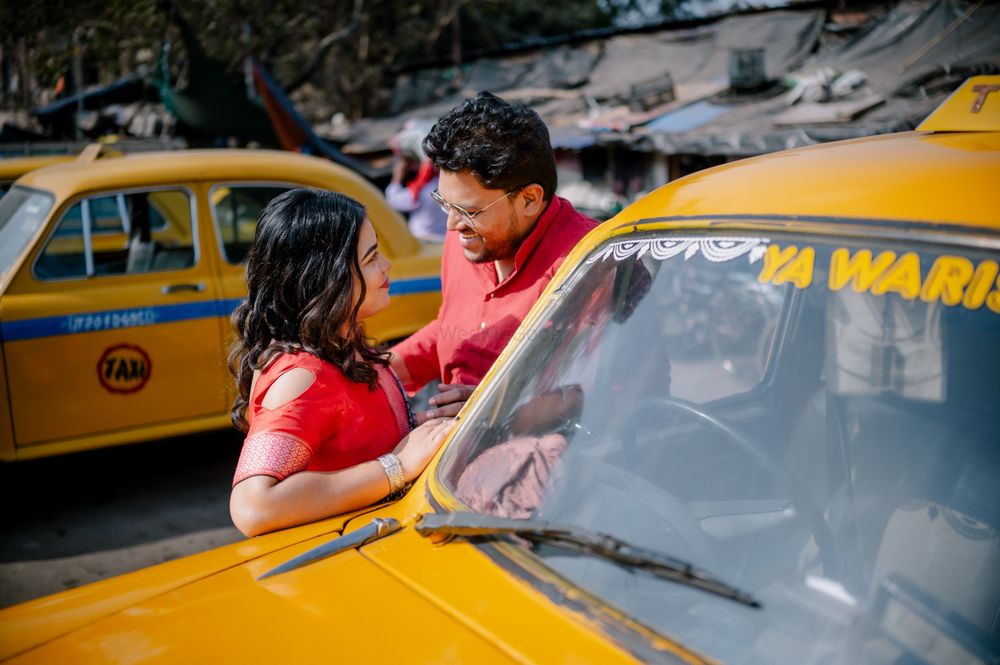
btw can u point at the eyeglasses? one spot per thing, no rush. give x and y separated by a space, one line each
468 217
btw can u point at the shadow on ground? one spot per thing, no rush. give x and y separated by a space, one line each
74 519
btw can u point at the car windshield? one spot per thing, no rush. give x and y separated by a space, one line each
22 212
809 420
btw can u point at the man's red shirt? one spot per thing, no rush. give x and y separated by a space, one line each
478 314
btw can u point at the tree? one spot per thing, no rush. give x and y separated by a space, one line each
363 43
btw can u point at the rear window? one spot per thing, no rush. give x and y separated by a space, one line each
236 209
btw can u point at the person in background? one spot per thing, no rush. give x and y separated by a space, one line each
328 426
414 177
508 234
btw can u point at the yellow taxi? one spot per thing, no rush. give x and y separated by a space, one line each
12 168
118 277
752 420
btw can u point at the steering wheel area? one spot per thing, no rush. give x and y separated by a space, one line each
805 507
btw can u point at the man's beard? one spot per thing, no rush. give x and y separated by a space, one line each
505 250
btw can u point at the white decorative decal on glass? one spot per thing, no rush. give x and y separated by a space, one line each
714 248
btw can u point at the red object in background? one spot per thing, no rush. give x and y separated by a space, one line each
290 135
425 174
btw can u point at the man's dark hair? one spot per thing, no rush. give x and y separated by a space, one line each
506 146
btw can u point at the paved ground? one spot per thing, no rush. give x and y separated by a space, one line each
76 519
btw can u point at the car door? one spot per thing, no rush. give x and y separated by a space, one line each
111 327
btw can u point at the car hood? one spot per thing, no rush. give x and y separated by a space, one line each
402 598
37 622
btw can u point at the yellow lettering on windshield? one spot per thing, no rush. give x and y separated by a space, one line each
858 269
951 280
774 258
947 280
902 277
982 282
993 300
788 264
799 270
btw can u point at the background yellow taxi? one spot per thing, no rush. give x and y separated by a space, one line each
752 420
12 168
117 279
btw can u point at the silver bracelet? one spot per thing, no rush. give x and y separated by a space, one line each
393 471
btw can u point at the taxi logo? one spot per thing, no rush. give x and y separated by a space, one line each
124 369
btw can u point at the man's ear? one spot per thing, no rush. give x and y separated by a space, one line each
533 199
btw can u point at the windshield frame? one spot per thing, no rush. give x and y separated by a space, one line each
7 273
623 627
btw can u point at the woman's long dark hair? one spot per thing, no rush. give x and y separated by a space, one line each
301 277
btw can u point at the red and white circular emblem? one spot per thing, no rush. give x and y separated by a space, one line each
124 369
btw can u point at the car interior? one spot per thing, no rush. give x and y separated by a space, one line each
863 452
128 233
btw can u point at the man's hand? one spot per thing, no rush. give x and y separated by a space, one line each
448 402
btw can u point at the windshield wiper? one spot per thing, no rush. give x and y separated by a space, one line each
583 540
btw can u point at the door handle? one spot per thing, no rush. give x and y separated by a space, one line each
178 288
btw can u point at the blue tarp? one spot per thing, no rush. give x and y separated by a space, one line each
124 90
687 118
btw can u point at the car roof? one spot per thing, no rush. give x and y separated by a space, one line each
14 167
932 178
149 168
943 174
94 171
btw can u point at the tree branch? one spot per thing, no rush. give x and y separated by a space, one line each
445 18
324 47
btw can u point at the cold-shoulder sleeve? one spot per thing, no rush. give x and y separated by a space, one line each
284 440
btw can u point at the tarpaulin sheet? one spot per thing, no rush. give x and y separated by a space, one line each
936 44
687 117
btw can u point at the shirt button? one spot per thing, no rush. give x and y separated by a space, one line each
482 326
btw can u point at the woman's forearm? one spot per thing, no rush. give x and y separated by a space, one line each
261 504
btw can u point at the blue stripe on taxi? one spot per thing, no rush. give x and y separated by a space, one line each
50 326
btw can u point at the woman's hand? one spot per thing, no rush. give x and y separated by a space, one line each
418 447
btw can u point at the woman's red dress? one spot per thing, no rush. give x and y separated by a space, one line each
334 424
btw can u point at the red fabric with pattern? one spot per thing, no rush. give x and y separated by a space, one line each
334 424
509 480
389 384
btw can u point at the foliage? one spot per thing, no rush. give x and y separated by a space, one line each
348 50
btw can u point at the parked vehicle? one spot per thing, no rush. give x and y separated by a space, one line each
12 168
822 488
117 280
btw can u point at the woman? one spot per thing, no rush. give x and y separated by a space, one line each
327 423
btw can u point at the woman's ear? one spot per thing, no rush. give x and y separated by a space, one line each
533 198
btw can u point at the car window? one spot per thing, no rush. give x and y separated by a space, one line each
812 420
235 209
117 234
106 217
22 212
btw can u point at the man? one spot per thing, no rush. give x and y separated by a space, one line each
509 234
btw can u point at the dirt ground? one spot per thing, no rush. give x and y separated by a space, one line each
75 519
